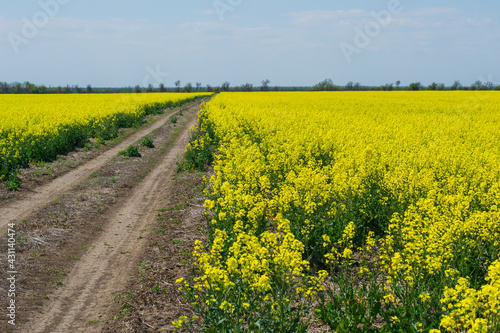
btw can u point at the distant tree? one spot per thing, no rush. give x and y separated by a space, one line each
247 87
432 86
177 86
68 90
265 85
497 87
188 88
209 88
137 89
4 87
440 86
349 86
398 83
489 85
326 85
225 86
357 86
162 87
237 89
415 86
149 89
78 89
387 87
276 88
29 88
478 85
198 86
89 89
456 86
43 89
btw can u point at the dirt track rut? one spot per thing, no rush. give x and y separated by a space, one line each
87 294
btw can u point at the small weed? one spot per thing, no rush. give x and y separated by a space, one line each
148 142
14 182
123 300
176 220
132 151
142 268
173 119
160 231
158 290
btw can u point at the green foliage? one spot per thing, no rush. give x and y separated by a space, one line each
415 86
148 142
13 182
326 85
197 156
173 119
132 151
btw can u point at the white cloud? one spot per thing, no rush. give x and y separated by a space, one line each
433 11
479 22
84 29
318 17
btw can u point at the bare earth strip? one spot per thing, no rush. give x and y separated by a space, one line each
44 195
106 267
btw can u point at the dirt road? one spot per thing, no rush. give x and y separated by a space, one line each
87 294
18 210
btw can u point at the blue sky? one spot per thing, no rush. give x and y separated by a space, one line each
291 43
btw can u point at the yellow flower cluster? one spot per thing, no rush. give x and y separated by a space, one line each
256 260
473 310
316 174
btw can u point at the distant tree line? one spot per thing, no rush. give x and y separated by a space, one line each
326 85
30 88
